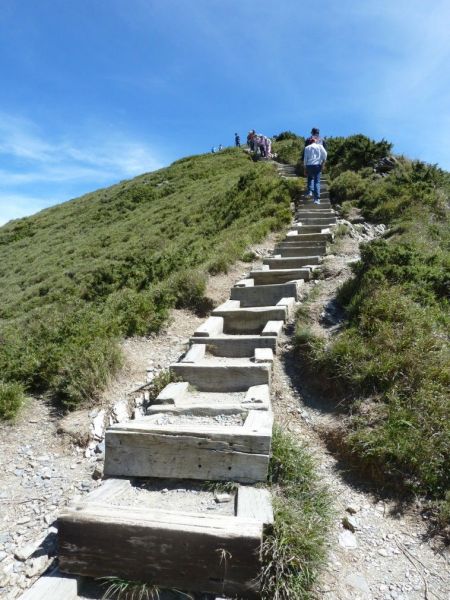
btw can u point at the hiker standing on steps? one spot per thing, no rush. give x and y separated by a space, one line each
314 157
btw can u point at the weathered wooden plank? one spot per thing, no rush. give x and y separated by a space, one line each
200 553
141 449
222 378
212 326
238 346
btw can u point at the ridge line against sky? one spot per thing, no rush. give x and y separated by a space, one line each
96 91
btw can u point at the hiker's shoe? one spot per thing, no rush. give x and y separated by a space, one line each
316 201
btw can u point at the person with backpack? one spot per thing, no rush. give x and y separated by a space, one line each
314 157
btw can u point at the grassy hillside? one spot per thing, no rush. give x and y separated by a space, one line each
78 276
390 364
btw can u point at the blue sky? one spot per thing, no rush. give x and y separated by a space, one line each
95 91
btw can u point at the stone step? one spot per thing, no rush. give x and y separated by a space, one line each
267 295
267 277
217 374
177 398
291 262
214 448
163 533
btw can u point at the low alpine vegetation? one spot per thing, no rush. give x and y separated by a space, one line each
78 277
390 364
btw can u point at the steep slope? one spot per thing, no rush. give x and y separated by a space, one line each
78 276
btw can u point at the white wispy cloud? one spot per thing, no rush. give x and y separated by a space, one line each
36 170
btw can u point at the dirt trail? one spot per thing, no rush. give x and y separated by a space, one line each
389 555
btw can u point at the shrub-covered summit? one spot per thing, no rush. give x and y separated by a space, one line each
78 276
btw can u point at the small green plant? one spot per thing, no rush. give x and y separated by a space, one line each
248 256
11 399
295 549
341 230
159 382
123 589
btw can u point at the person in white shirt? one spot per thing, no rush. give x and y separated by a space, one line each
314 158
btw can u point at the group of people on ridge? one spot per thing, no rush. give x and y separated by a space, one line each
259 143
314 157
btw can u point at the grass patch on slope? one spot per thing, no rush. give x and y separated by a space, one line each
295 550
390 365
79 276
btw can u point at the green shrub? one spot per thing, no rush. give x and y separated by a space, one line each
12 397
347 186
354 153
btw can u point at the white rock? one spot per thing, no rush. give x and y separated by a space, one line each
347 539
23 553
37 566
352 508
98 425
120 410
350 523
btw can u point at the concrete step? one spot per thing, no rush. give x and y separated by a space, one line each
163 532
267 295
178 398
231 447
291 262
267 277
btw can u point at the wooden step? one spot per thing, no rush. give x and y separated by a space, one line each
237 346
291 262
177 398
211 450
144 532
213 374
248 320
279 276
267 295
